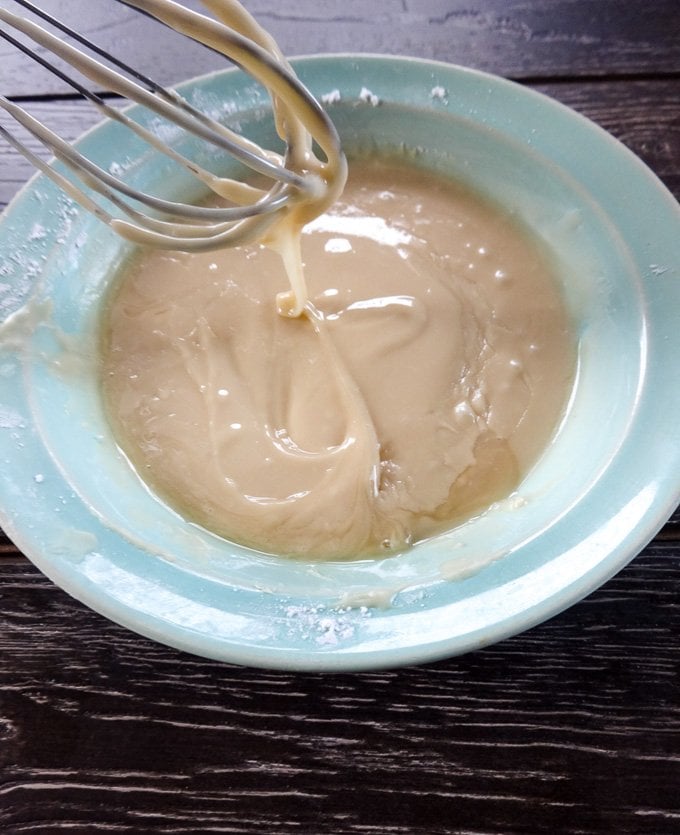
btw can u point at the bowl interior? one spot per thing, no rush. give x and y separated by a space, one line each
602 488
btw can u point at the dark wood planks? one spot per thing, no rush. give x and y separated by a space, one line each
671 531
512 37
571 727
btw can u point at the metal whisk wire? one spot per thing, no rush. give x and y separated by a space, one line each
179 225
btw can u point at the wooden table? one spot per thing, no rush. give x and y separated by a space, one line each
573 726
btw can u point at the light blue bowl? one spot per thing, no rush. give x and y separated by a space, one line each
604 487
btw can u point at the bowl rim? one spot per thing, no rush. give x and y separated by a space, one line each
660 505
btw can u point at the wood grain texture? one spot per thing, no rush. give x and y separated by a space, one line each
576 720
514 38
572 727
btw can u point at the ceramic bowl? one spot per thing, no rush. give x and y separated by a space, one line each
606 484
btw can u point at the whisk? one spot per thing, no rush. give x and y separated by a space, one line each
298 176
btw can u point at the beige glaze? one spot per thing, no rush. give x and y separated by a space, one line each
430 369
306 182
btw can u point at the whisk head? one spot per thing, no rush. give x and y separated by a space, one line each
297 179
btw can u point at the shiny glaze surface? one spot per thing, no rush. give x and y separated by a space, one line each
570 726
